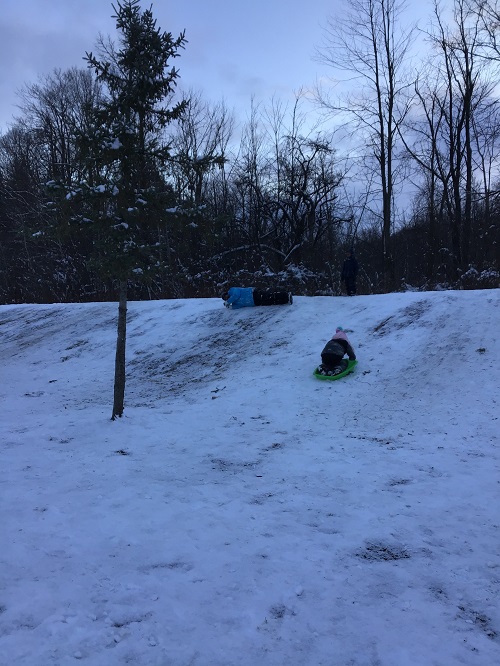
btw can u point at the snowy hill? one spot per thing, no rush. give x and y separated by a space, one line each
242 512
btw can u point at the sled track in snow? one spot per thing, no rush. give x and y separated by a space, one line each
202 350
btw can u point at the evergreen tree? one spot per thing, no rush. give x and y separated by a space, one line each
123 196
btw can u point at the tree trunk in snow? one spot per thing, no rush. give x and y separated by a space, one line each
119 391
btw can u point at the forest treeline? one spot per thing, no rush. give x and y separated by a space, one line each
111 173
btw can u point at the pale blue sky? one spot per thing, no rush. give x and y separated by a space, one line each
236 50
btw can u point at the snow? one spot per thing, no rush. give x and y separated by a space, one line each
115 144
243 512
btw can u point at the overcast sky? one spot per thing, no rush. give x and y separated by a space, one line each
235 50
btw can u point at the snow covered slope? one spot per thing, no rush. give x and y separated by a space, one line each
243 512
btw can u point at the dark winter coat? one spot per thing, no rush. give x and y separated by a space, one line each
335 350
350 268
240 297
339 347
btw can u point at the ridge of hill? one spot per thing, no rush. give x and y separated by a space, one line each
185 347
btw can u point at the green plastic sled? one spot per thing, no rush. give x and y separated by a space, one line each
350 368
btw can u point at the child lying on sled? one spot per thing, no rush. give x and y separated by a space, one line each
332 356
244 297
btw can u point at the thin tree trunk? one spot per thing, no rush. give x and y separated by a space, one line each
432 228
119 390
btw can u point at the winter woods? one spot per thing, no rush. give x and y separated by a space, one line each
111 176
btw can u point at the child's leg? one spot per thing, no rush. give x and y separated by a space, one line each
281 298
270 297
258 296
330 361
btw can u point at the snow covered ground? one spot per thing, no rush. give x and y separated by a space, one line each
242 512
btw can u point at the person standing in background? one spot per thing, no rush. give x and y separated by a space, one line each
350 273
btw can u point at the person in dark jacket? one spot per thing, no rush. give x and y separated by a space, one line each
243 297
350 273
332 356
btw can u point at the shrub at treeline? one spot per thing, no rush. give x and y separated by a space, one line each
110 179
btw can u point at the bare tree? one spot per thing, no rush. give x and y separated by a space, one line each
369 42
306 178
461 94
250 184
41 146
54 110
488 14
486 128
200 145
